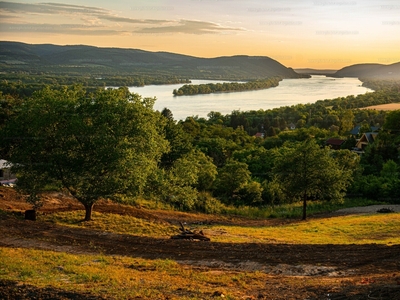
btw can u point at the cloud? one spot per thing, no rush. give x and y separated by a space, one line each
189 27
54 13
49 8
131 21
65 9
71 29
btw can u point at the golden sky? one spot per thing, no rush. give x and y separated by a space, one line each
322 34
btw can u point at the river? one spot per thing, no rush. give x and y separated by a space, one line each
289 92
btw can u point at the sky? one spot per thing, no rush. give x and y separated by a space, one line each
321 34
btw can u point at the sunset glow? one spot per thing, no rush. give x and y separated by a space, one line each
314 34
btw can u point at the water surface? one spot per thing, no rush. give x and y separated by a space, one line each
289 92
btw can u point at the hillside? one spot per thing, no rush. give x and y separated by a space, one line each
127 253
378 71
95 61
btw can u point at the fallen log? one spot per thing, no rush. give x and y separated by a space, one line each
190 235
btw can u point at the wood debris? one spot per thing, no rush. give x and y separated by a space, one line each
190 235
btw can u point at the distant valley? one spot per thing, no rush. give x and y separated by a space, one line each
95 66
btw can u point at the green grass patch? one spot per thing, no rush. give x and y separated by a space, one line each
354 229
123 224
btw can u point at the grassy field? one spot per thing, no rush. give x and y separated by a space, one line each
127 278
353 229
91 272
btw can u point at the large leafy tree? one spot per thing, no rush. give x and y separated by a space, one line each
231 178
392 122
307 171
178 139
100 146
180 184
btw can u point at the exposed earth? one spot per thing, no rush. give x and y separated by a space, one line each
357 271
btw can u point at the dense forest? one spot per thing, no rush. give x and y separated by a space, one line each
23 85
111 143
209 88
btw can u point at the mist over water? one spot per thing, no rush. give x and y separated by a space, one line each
289 92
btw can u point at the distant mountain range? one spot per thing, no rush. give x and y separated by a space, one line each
99 62
378 71
95 61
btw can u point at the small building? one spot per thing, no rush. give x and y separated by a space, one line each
292 126
367 138
259 135
5 172
335 143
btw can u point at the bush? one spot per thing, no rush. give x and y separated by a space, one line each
207 204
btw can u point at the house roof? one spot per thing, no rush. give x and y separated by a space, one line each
335 142
375 128
356 130
370 136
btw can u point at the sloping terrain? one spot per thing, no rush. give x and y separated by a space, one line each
377 71
83 59
293 270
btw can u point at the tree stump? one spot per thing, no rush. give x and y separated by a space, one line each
30 215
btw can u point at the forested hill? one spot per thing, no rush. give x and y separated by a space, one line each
377 71
94 61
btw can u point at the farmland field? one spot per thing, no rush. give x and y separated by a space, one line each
387 107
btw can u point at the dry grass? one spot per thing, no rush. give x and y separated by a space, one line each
386 107
113 223
122 277
353 229
116 277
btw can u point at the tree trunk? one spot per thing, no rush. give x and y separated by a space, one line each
88 211
305 207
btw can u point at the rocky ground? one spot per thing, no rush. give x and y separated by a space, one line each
366 271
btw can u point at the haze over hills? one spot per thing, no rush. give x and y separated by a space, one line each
378 71
95 61
315 71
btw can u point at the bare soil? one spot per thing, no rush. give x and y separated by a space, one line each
356 271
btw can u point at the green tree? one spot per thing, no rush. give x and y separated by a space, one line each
250 194
390 169
392 122
99 146
231 178
346 121
271 131
179 140
305 171
258 159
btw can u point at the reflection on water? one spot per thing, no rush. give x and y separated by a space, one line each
289 92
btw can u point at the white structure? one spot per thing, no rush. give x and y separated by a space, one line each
5 173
